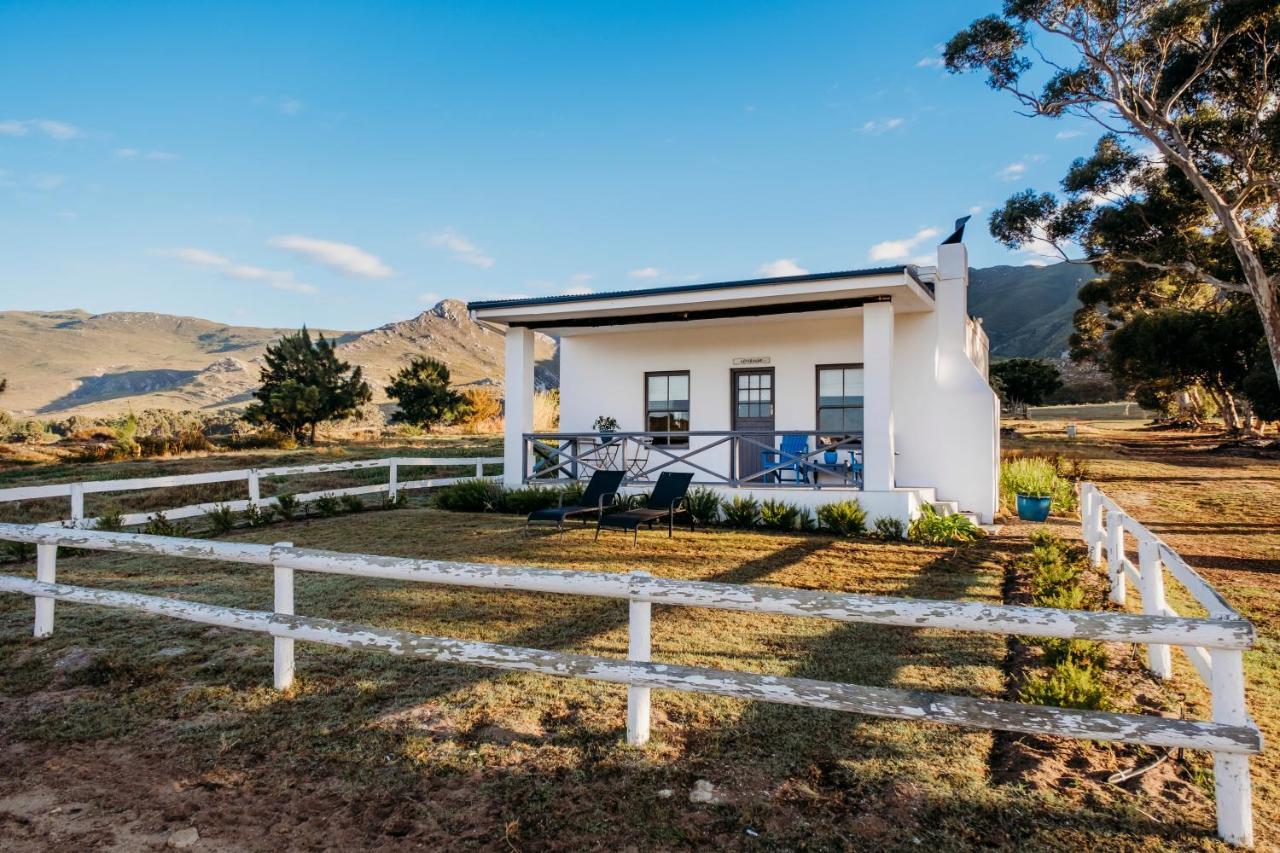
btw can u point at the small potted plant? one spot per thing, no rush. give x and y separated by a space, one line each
1033 485
606 426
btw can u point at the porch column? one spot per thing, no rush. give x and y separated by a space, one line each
877 396
518 406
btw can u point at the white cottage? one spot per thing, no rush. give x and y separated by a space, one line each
870 384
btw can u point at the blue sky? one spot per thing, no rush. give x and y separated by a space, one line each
345 165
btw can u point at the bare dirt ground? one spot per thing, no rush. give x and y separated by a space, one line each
129 733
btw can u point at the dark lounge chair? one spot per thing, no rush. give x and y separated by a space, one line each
668 497
601 491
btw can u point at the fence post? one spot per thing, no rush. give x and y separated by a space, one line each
255 493
1151 574
77 504
46 572
479 470
638 649
1115 554
1086 513
393 473
1095 528
283 606
1232 788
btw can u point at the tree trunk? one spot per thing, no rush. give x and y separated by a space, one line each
1267 299
312 441
1226 408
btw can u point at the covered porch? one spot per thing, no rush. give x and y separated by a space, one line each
823 387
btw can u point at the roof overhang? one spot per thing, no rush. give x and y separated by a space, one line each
723 302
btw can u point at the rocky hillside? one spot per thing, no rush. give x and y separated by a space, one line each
1027 311
60 362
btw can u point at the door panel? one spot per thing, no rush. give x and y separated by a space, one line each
752 396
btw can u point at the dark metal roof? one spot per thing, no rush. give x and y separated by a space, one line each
689 288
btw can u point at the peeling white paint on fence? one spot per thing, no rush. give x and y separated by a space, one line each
1104 526
878 701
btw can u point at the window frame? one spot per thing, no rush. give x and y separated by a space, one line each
671 441
817 395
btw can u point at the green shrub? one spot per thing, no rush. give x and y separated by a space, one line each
327 506
806 522
844 518
1068 685
1038 477
20 551
704 505
528 499
260 515
288 506
888 527
352 503
1083 652
111 518
222 519
742 511
779 515
474 495
400 501
933 528
159 525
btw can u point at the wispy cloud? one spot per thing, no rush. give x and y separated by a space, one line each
428 298
781 267
461 248
933 60
1013 171
290 106
576 290
645 273
581 277
279 279
342 257
1068 134
51 128
900 250
875 127
136 154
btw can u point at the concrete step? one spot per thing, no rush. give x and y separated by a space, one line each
945 507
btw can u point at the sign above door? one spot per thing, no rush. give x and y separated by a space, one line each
747 361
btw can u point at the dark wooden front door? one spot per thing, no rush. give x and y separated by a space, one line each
751 399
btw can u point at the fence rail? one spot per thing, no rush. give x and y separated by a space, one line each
1229 735
1107 529
252 477
756 458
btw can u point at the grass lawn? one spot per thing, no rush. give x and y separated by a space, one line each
121 729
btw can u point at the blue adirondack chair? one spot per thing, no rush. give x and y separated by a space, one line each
793 447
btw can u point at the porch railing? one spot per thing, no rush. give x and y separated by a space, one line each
751 458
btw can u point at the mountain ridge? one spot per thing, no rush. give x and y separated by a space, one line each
71 361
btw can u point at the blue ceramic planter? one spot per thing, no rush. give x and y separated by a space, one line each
1033 508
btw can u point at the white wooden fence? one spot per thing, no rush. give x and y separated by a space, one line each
1230 735
252 477
1107 530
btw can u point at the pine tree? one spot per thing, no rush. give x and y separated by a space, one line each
423 392
304 383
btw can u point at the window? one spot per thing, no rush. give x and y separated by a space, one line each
755 395
666 405
840 399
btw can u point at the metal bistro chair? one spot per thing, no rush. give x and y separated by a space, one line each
791 451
